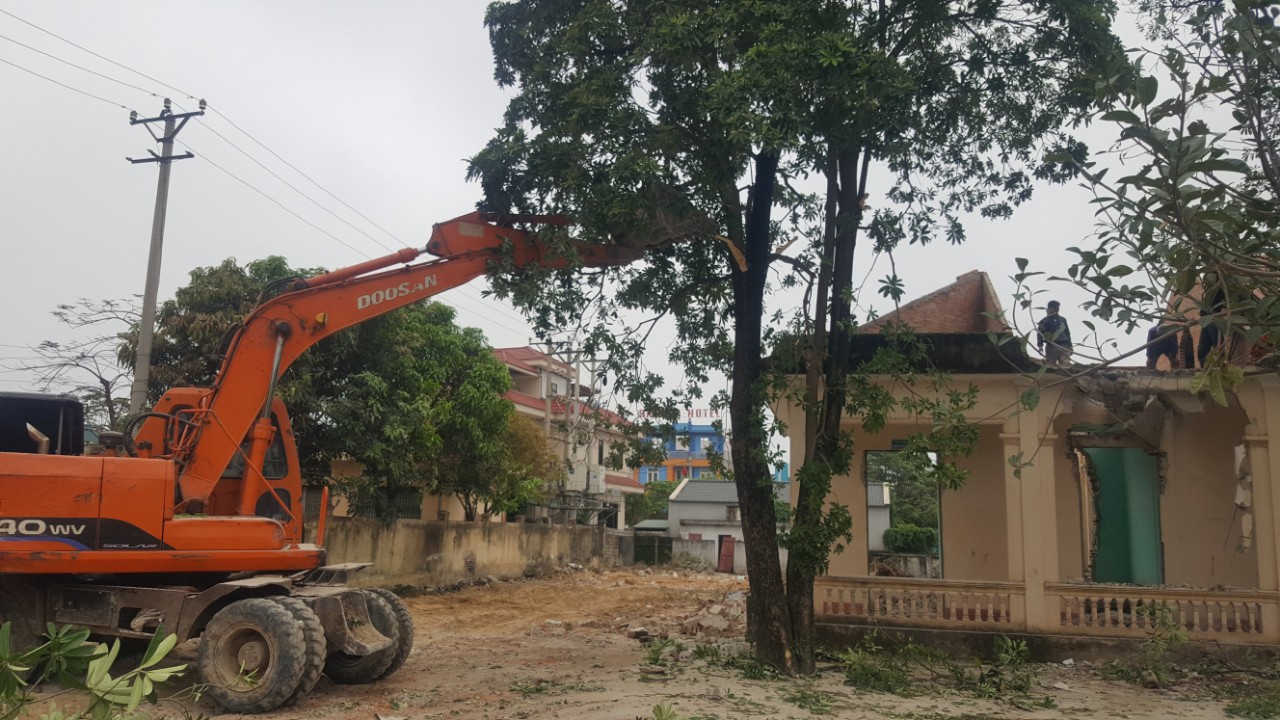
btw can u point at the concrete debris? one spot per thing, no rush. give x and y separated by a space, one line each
719 623
705 624
1069 662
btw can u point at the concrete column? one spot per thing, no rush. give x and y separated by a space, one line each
1038 512
1261 403
1013 517
1258 405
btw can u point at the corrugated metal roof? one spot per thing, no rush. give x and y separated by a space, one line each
654 525
723 492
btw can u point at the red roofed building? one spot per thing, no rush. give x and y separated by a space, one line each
550 391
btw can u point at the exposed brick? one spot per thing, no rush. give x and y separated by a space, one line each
956 308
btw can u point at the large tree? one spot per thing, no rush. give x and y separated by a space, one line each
682 126
471 418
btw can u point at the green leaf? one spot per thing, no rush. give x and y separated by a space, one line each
1123 116
161 644
1147 87
1030 398
1220 165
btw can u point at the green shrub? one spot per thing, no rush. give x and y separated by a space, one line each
68 657
870 667
911 539
875 673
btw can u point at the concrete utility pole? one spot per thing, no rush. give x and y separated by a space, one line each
173 124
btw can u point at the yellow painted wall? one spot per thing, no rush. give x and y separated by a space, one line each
1199 522
974 538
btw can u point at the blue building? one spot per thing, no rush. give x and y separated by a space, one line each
688 454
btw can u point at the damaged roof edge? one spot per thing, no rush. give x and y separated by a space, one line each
961 353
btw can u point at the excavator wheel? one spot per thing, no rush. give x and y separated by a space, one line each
404 623
360 669
313 636
253 655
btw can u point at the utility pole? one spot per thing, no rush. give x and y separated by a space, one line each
173 124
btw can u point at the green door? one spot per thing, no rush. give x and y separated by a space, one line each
1127 511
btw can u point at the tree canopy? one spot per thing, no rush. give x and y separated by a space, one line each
689 128
1189 230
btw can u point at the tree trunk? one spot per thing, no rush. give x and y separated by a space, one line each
771 628
826 448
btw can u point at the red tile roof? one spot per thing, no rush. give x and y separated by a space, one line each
622 481
524 357
558 407
519 398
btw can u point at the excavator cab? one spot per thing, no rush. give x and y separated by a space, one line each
41 424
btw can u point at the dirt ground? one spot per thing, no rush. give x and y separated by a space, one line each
558 648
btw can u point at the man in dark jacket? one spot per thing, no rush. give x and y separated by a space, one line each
1053 338
1162 341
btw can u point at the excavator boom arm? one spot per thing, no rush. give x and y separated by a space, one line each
294 321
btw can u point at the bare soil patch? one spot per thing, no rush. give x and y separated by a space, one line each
558 648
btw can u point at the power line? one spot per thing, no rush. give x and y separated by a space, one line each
291 166
356 250
240 150
282 206
100 57
73 89
292 187
78 67
340 200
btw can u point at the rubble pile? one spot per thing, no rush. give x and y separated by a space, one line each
725 618
715 620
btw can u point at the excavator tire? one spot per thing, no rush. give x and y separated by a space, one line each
404 623
313 636
252 657
357 669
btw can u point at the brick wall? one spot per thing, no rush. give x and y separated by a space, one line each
956 308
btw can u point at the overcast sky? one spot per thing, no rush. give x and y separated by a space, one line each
379 102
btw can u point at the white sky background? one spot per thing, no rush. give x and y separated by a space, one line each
381 102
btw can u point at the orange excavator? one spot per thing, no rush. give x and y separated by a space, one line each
192 520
